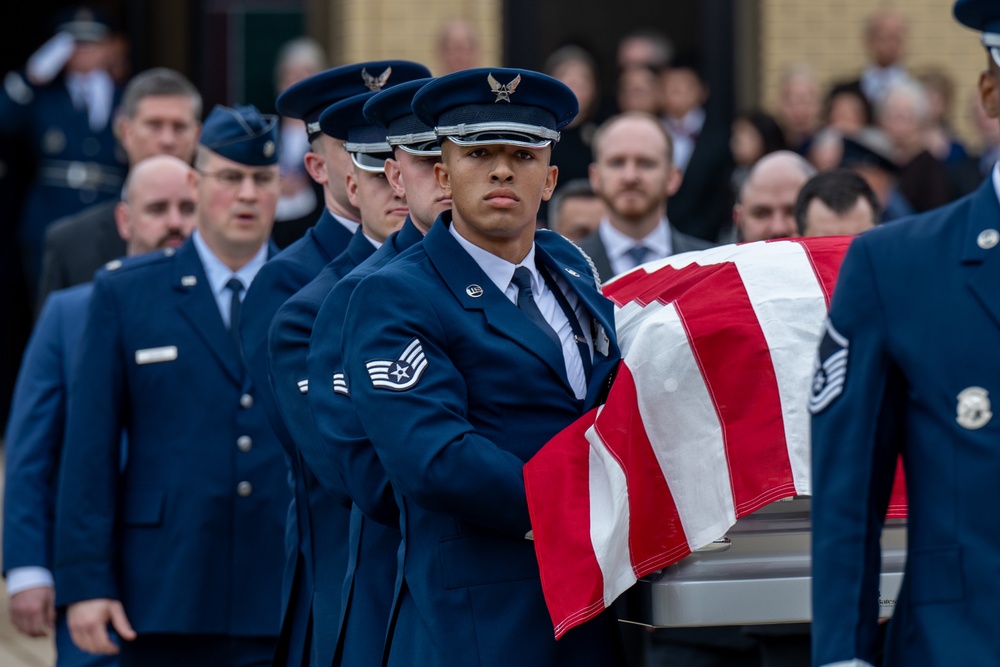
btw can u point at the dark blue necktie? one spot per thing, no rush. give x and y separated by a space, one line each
526 303
236 287
638 253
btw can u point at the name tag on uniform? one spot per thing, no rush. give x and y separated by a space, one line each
155 355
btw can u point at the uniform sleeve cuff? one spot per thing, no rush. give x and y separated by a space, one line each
22 578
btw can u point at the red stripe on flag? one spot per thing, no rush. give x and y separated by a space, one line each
735 363
556 481
656 535
826 259
619 291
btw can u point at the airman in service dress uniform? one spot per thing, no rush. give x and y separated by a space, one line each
464 356
318 518
181 546
908 365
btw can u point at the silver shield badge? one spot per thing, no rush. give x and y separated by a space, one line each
974 409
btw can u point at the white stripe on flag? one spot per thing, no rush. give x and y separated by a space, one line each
684 429
791 309
609 518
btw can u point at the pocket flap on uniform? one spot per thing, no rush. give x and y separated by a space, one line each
935 575
472 560
143 508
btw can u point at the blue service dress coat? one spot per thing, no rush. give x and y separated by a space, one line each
188 535
33 446
375 537
76 167
279 279
478 390
908 365
329 507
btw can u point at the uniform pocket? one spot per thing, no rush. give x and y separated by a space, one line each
143 508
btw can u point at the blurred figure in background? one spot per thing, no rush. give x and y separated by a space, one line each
941 140
755 134
62 106
904 116
576 210
644 48
639 90
836 203
885 42
799 106
970 172
701 152
766 207
869 153
457 46
846 109
301 198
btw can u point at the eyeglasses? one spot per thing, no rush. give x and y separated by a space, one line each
233 178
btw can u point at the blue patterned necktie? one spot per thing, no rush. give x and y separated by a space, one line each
236 287
526 303
638 253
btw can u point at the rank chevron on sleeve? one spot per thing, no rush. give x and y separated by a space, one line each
401 373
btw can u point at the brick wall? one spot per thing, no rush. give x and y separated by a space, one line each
408 29
828 35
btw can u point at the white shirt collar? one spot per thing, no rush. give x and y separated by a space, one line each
498 269
617 243
218 274
350 225
996 179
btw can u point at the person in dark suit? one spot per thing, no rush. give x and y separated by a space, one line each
159 213
904 369
457 387
62 105
701 152
318 519
336 447
160 115
633 172
179 547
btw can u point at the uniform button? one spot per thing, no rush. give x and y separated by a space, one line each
246 401
244 443
244 489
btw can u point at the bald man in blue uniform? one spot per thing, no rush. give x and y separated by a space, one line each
907 366
303 605
463 356
181 548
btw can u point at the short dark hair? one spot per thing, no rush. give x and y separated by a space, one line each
158 82
578 187
839 190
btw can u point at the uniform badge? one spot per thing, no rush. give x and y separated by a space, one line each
399 374
475 291
340 384
303 386
830 370
973 408
374 83
113 265
268 148
988 238
156 355
189 281
503 92
572 272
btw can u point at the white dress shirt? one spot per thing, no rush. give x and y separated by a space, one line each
218 274
617 244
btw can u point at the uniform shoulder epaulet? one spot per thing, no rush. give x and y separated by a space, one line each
17 88
586 257
126 264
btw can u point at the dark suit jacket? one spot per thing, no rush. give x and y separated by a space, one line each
78 245
593 246
702 206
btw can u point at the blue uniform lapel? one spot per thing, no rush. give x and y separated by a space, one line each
331 236
197 305
984 276
552 251
475 291
360 248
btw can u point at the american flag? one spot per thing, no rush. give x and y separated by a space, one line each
706 422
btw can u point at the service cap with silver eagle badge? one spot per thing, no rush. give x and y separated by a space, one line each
309 98
401 373
392 109
830 370
462 107
974 410
241 134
